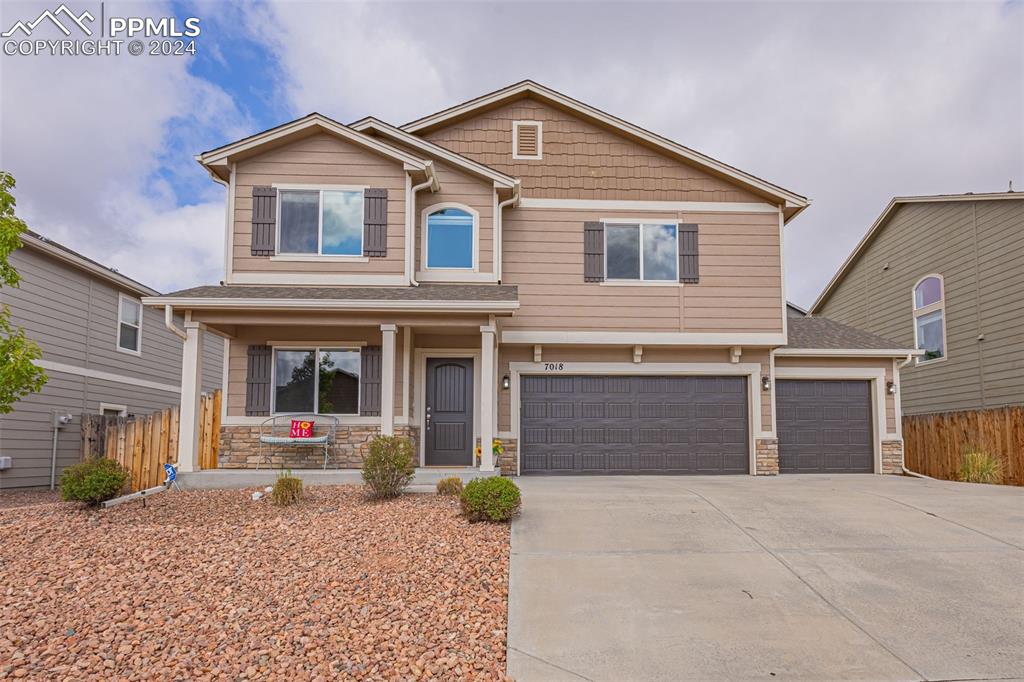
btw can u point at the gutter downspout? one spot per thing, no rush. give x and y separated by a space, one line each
410 221
169 323
908 472
514 199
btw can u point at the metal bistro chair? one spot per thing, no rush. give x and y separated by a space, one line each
275 432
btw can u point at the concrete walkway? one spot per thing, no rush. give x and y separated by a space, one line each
791 577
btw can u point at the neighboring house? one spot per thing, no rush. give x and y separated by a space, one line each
793 310
104 353
944 274
527 267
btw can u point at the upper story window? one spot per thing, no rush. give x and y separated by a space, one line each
322 222
527 140
450 237
129 324
317 380
646 252
930 318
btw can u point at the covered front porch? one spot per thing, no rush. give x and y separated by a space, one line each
359 367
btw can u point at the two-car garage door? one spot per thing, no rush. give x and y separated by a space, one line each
634 424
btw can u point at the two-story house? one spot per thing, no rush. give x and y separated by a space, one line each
943 274
526 267
103 352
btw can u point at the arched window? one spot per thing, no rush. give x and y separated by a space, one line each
450 237
930 318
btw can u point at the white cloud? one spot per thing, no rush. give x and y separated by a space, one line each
84 138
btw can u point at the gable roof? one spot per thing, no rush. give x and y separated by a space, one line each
434 150
793 203
34 240
216 160
884 219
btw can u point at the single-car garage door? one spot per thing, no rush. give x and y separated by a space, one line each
824 426
634 425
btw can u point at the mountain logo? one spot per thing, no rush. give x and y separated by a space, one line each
68 15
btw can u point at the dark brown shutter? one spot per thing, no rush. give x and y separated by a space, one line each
593 252
257 382
264 220
375 223
689 263
369 382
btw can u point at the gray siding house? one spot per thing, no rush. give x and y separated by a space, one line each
944 274
102 350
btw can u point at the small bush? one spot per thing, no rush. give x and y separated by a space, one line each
980 467
93 481
450 486
287 489
490 499
388 468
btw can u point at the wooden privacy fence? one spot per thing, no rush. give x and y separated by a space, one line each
934 443
145 443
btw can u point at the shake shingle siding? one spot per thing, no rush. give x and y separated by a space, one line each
977 247
72 314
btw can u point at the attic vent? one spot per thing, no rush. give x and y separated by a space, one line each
527 140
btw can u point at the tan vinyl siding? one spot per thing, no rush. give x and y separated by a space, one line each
740 276
983 286
72 315
581 160
857 363
319 160
338 336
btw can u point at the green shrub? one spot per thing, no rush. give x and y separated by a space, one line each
388 468
449 486
490 499
980 467
287 489
93 481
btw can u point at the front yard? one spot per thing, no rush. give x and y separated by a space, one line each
206 585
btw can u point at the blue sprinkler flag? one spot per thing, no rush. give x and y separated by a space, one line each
171 472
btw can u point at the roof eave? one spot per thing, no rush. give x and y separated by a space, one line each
88 265
330 305
854 352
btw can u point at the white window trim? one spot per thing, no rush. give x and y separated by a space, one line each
515 140
319 255
316 377
122 410
452 273
117 330
639 226
938 306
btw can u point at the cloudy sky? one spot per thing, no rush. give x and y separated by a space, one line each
847 103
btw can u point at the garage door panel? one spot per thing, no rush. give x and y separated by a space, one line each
660 424
824 426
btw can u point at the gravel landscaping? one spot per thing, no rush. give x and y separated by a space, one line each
211 585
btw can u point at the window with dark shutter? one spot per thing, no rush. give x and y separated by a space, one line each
264 220
689 258
593 252
257 381
375 223
369 399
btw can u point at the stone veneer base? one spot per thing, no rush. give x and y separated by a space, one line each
240 449
892 457
766 460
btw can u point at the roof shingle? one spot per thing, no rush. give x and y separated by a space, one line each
823 333
424 292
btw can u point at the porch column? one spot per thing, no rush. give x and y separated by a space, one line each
387 380
487 368
191 389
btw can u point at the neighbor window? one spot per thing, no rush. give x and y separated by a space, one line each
322 222
449 238
930 318
317 380
647 252
129 324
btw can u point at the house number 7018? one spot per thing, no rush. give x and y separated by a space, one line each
554 366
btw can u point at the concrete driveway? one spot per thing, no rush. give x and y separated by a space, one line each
812 577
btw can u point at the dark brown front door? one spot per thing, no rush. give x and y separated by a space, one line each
448 419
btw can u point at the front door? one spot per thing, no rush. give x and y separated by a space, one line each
448 413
